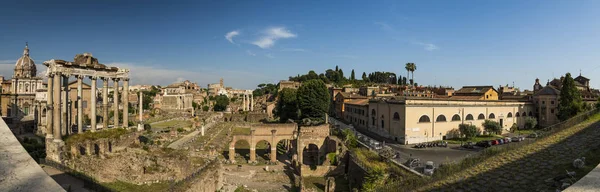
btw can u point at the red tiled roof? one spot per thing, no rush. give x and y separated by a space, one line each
358 102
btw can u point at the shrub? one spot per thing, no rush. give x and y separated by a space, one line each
147 127
180 130
205 108
514 127
332 158
492 127
468 130
146 148
530 123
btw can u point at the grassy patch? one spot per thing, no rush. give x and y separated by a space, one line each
316 183
474 139
124 186
103 134
241 131
524 132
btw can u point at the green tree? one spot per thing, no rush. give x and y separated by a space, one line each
468 130
598 103
205 108
194 105
374 179
287 107
352 75
492 127
570 101
313 99
364 77
350 139
221 103
530 123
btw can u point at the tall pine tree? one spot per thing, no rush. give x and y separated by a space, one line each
352 75
570 101
364 77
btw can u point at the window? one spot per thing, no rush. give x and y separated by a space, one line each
441 118
524 114
552 102
456 118
469 117
424 119
382 124
551 110
509 114
396 116
492 116
518 114
530 114
543 102
487 96
373 112
481 116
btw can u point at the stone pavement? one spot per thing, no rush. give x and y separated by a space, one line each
18 171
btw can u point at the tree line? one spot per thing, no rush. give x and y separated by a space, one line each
337 77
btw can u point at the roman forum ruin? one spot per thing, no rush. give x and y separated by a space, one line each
83 66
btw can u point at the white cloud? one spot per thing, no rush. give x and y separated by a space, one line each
271 35
294 50
250 53
229 36
157 75
8 61
269 56
427 46
384 26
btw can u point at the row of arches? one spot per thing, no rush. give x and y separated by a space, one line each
469 117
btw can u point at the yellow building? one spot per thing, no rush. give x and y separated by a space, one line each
341 98
416 120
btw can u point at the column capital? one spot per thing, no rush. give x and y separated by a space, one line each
116 79
80 77
93 77
125 79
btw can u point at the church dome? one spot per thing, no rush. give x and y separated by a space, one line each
25 66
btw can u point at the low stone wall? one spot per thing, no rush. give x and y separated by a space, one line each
320 171
242 117
209 180
356 173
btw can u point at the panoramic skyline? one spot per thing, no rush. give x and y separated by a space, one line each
452 43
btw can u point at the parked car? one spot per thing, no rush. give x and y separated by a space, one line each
428 168
468 145
485 144
494 142
507 140
500 141
517 139
533 135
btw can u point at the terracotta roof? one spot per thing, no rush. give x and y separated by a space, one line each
358 102
473 90
548 90
465 97
347 95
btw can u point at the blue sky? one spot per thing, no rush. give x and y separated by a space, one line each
453 43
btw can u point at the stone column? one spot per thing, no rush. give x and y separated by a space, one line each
141 102
79 104
125 102
64 100
105 102
49 108
252 148
116 102
232 153
273 143
56 107
251 102
93 103
243 102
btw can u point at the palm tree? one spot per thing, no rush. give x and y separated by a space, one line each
407 67
413 68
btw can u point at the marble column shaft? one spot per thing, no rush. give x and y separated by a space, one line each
50 107
93 103
79 104
251 102
105 103
56 107
116 102
64 101
125 102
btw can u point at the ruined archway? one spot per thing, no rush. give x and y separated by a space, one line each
311 156
82 150
96 149
241 150
263 150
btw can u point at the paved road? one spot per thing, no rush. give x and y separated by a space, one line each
436 154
